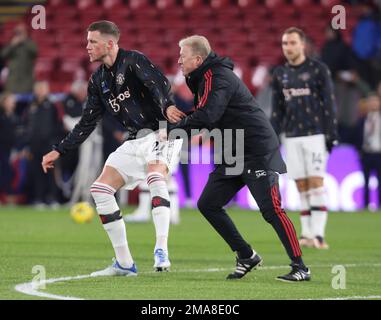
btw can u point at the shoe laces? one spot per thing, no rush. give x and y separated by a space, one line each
114 262
297 269
161 254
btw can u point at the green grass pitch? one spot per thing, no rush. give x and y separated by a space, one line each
200 259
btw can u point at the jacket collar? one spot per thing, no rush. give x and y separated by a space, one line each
305 62
114 67
194 77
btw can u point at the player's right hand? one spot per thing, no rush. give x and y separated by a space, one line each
48 160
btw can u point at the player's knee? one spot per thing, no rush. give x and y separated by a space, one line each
269 215
205 205
104 199
201 205
101 191
315 182
302 184
268 211
317 197
157 167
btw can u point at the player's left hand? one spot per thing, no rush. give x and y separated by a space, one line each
174 115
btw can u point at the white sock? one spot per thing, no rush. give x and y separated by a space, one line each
319 215
109 213
116 231
174 199
160 208
144 208
305 216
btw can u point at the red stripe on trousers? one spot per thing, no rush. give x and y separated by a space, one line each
290 225
287 225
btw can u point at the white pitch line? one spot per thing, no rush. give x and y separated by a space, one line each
31 288
353 298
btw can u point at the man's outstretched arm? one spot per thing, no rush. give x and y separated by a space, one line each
91 115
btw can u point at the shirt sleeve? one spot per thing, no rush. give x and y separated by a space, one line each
91 115
28 44
278 106
217 92
152 78
328 104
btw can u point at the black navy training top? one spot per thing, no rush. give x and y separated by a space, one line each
303 100
223 101
133 91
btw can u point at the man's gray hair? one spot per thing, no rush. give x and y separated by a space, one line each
199 45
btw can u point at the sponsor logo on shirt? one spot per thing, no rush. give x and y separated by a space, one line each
305 76
114 103
292 92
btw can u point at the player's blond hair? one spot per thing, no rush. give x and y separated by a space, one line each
199 45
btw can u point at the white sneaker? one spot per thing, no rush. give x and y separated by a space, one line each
54 206
40 206
162 262
320 244
305 242
136 218
116 270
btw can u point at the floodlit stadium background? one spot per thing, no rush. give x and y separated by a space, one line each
248 31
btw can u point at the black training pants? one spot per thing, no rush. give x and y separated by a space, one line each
220 189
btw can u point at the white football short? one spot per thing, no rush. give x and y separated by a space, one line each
132 157
306 156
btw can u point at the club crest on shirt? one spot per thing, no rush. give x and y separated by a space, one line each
120 79
305 76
